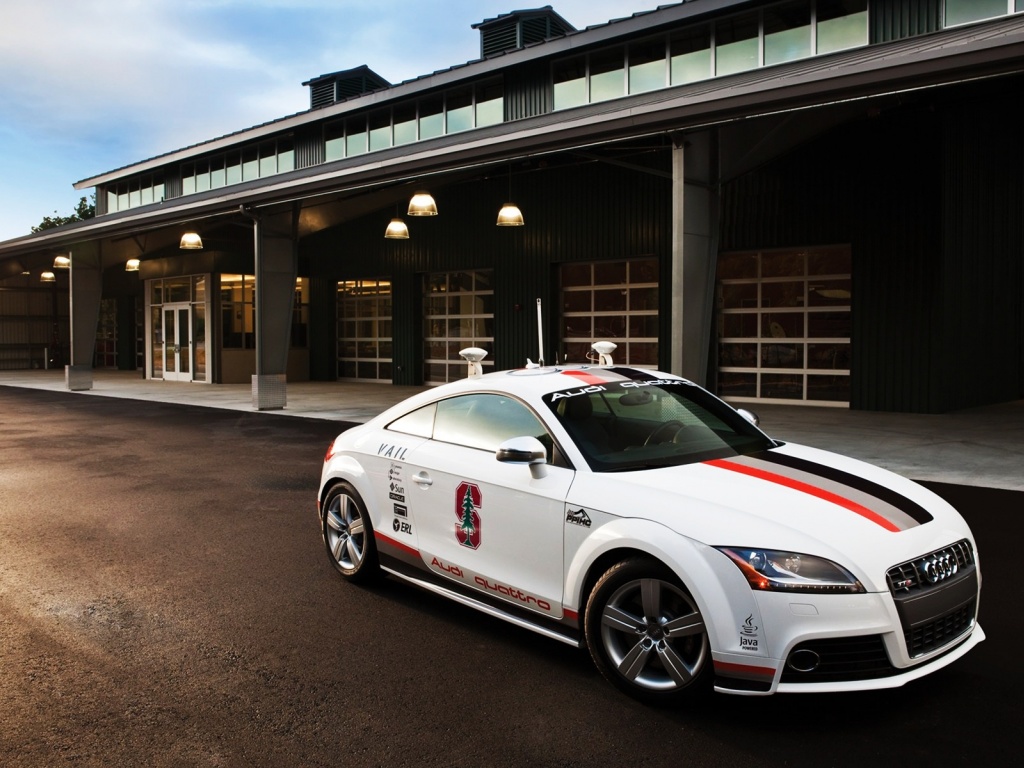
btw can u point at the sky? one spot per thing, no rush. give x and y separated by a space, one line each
88 86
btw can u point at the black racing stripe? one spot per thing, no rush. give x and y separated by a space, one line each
908 506
633 374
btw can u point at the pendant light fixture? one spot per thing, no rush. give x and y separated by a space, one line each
132 265
510 215
62 262
397 230
422 204
191 241
47 277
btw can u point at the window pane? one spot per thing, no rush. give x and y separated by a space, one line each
691 55
570 83
355 137
963 11
233 169
268 159
459 105
490 104
842 24
334 137
647 68
250 164
405 124
285 155
431 118
607 76
787 32
736 44
380 131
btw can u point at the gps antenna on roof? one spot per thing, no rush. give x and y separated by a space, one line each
604 351
473 356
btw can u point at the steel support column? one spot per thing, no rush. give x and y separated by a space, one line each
694 252
86 290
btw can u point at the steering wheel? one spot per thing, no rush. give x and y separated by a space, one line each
664 433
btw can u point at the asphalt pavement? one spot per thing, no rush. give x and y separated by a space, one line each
165 600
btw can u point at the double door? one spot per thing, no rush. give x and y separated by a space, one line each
177 347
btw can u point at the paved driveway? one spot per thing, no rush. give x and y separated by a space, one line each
164 600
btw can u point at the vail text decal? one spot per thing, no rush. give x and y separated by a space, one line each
467 512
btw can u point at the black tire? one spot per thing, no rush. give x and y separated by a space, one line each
348 534
646 634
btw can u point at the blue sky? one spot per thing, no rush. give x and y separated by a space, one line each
87 86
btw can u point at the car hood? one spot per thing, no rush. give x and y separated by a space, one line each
791 498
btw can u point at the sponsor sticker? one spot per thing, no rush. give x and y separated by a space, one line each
467 513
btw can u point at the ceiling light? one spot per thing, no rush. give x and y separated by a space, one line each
47 277
397 230
191 241
422 204
132 265
62 262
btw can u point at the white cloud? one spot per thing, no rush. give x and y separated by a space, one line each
97 84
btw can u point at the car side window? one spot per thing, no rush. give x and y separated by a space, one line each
419 422
485 421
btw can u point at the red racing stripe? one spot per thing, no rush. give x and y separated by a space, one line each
584 376
796 485
396 544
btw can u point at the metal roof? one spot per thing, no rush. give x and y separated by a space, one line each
954 55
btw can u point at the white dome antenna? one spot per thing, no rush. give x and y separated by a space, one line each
473 356
604 351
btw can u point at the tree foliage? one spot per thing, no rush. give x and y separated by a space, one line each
84 210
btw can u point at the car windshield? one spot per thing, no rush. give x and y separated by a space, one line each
631 425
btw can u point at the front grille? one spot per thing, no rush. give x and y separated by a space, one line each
936 597
921 573
927 637
840 659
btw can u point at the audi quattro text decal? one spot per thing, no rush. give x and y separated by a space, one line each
467 513
510 593
882 506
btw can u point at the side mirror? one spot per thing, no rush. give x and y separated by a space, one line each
749 416
524 450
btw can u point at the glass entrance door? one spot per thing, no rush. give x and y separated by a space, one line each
177 342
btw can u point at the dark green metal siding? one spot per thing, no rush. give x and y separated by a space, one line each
528 91
929 197
585 212
897 19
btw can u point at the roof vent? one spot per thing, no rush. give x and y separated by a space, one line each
518 29
339 86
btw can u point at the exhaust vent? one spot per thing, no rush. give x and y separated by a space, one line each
518 29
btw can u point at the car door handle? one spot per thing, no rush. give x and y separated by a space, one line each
422 478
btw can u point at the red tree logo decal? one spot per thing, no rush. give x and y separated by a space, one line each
467 512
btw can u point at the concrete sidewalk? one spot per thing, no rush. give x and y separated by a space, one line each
980 446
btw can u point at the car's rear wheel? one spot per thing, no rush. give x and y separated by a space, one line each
348 534
646 633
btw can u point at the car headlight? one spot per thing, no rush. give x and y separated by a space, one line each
775 571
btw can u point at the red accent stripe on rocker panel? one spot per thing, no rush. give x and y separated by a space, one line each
396 544
796 485
586 378
743 669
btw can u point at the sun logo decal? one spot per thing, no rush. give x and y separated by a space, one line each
467 512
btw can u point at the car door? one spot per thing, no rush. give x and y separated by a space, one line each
490 525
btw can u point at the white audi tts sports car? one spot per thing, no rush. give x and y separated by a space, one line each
634 513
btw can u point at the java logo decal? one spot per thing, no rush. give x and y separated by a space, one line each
467 512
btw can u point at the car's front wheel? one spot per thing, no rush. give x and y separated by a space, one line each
646 633
348 534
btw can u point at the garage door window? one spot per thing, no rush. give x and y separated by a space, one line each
458 309
784 324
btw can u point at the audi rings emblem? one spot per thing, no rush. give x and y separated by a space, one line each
939 567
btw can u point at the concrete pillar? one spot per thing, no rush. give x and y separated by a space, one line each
694 252
85 294
276 266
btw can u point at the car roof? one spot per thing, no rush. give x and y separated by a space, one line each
532 383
